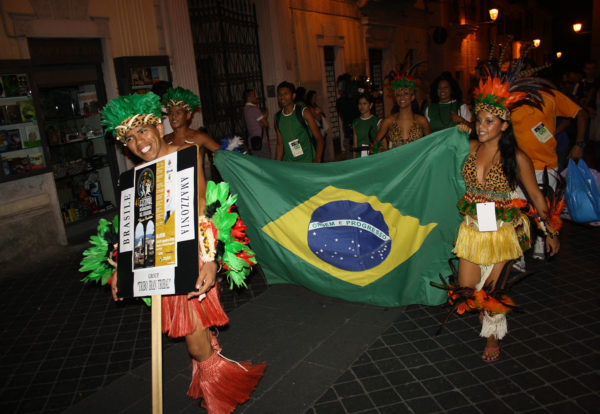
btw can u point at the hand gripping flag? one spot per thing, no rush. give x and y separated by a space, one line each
376 229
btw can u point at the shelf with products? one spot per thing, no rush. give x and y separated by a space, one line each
78 150
21 150
74 141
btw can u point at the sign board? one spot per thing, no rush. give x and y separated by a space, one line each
158 240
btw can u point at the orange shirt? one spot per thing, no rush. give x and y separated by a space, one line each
528 125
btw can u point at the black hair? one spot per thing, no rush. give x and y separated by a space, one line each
366 96
508 154
455 91
286 84
300 92
309 97
247 93
161 87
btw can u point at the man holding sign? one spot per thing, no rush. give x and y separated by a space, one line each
136 122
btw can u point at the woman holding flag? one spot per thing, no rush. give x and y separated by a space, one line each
495 231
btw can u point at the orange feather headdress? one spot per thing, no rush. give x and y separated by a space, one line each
501 92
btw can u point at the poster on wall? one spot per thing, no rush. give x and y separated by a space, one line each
158 246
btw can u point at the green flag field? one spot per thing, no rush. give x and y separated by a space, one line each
376 229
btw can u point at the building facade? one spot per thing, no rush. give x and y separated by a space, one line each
218 48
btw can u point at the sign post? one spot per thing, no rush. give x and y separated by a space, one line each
157 389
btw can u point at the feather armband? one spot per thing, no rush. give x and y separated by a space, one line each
551 223
207 235
101 258
232 248
464 299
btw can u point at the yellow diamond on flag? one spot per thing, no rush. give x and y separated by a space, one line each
351 236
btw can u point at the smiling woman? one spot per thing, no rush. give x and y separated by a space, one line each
495 231
404 126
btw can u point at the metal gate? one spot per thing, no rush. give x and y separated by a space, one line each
227 54
330 80
375 59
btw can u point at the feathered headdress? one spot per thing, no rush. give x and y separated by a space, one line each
126 112
181 97
501 92
404 81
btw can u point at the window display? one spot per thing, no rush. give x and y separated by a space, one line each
21 148
78 150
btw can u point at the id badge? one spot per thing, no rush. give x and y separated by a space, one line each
296 148
541 132
486 216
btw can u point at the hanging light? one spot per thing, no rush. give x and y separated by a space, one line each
536 42
577 27
493 14
558 55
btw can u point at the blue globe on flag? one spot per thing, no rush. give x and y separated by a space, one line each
349 235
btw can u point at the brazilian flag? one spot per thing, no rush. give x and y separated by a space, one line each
375 229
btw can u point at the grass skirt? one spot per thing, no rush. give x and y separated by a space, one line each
488 247
177 313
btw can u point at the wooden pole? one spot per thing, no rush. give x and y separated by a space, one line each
157 389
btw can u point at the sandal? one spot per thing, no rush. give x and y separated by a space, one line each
487 351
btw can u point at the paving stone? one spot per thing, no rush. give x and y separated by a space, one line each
423 405
70 344
357 403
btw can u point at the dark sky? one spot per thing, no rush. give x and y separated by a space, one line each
575 47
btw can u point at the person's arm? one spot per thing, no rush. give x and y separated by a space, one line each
564 124
526 174
204 140
577 150
279 147
354 141
424 124
207 276
308 117
264 121
383 129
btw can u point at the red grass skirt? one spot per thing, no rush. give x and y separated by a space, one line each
222 383
177 311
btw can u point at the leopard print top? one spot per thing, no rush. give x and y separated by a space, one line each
495 187
395 134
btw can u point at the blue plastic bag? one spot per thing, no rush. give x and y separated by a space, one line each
581 194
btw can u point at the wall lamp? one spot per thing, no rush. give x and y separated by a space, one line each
577 28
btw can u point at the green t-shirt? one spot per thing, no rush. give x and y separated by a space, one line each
296 142
439 115
366 129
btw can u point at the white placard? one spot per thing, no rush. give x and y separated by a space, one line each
541 132
185 225
486 216
154 281
126 221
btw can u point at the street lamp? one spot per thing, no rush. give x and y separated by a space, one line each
493 14
577 27
558 55
536 42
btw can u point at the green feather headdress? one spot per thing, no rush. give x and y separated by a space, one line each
181 97
126 112
404 82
